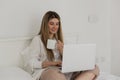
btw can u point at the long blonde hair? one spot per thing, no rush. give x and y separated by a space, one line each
44 31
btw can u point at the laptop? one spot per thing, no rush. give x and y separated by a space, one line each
78 57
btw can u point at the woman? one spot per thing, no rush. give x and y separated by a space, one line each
44 63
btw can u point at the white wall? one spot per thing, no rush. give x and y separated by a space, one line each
103 33
24 16
89 19
115 36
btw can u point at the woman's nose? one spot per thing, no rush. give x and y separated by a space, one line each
55 26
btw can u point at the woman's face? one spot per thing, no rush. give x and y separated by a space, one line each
53 25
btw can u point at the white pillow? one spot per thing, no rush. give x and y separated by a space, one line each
14 73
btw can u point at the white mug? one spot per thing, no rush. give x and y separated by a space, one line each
51 44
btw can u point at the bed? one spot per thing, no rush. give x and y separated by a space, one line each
11 62
107 76
16 73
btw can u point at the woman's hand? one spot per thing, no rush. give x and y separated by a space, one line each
51 63
60 46
96 70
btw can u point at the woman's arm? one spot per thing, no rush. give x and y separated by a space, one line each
34 54
38 58
51 63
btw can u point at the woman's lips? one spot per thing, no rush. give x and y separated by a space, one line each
53 29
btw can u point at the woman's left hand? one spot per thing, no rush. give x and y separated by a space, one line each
60 46
96 70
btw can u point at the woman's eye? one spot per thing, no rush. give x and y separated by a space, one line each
51 23
57 23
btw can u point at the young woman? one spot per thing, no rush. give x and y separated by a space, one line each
44 63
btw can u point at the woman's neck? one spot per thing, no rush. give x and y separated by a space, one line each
51 36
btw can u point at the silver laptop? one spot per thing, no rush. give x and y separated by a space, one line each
78 57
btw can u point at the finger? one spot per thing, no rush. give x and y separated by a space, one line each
60 62
58 41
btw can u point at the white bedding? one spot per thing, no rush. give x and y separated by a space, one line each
107 76
15 73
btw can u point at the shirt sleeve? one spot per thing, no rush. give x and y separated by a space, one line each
34 54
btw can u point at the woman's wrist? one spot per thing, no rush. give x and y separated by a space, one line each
46 64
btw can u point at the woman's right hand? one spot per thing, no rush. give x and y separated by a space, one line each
60 46
51 63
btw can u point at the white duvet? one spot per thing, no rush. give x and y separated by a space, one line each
15 73
107 76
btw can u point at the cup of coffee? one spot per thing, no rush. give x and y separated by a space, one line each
51 44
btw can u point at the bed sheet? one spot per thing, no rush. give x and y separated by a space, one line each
14 73
107 76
